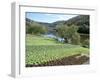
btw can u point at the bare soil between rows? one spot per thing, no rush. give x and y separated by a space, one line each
71 60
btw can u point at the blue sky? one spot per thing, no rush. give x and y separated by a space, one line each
47 17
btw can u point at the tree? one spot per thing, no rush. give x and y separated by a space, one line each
69 33
35 28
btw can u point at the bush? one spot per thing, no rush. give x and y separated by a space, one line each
86 43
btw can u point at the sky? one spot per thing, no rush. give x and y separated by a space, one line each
48 17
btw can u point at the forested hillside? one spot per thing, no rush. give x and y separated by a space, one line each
82 21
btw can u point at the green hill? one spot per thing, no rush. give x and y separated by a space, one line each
82 21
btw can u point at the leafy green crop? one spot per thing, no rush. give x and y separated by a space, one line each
39 54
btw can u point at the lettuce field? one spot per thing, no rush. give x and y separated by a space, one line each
40 50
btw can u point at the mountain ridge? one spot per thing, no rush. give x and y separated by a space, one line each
82 21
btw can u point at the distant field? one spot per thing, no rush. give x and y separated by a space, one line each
40 49
40 40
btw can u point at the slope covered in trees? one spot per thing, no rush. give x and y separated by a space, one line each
82 21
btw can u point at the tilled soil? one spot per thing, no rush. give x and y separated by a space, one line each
71 60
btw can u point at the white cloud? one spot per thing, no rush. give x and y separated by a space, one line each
61 17
65 17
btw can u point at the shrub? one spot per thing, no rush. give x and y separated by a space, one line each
86 43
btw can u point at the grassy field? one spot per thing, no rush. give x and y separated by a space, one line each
40 40
40 49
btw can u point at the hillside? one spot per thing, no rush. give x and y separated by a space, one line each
82 21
